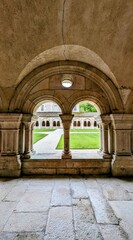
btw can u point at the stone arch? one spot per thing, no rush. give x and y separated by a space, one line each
64 53
34 86
20 101
129 104
97 100
3 101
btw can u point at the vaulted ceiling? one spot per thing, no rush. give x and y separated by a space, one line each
30 27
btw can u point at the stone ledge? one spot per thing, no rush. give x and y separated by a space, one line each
70 167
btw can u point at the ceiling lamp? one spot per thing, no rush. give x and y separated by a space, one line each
67 81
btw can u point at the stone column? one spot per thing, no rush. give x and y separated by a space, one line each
105 135
66 121
110 139
101 137
132 140
10 164
32 128
27 120
122 134
122 164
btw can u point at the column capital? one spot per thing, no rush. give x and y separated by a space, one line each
106 118
10 120
122 121
66 117
27 117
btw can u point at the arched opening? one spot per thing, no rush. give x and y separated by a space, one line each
92 80
46 137
84 133
43 123
37 124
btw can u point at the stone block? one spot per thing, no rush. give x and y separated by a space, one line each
95 171
61 195
116 193
122 166
84 220
123 210
31 222
34 202
71 171
39 171
78 189
22 236
6 208
113 232
10 166
60 224
103 212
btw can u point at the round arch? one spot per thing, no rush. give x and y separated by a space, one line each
96 100
64 53
36 78
129 104
46 101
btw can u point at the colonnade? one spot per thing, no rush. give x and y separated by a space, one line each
16 131
81 122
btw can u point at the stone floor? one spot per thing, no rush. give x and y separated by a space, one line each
66 208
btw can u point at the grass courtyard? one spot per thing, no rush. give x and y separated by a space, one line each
79 138
36 130
81 141
38 136
39 133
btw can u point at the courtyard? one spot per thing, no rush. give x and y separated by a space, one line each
52 140
66 208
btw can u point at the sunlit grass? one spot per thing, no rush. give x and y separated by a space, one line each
38 136
81 141
44 129
84 130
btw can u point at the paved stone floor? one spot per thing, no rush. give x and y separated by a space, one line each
66 208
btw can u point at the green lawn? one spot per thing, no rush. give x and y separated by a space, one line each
44 129
38 136
85 130
81 141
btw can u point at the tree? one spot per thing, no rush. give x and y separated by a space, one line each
86 107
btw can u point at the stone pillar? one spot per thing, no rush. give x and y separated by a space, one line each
66 121
27 120
10 164
132 140
110 139
33 122
32 128
105 135
122 164
101 137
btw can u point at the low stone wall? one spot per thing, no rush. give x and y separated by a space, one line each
67 166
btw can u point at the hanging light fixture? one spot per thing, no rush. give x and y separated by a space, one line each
67 81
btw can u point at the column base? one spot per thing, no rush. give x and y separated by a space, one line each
66 155
122 166
104 155
26 155
10 166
